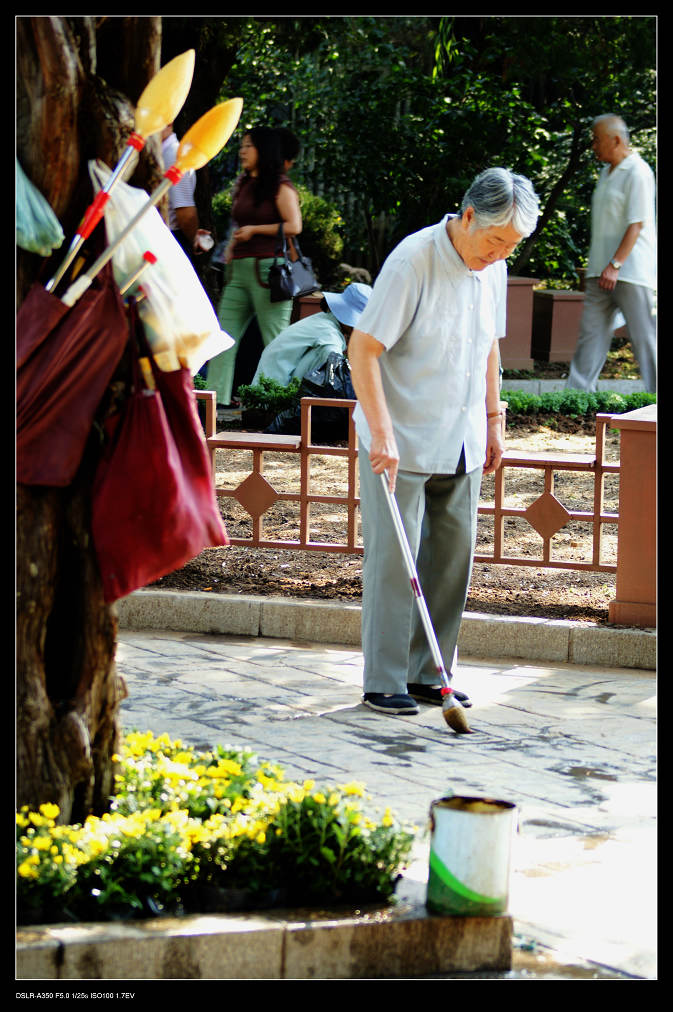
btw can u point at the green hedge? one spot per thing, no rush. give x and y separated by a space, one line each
576 403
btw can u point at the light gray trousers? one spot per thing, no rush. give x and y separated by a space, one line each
439 513
597 330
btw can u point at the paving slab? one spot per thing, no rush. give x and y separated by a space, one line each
572 745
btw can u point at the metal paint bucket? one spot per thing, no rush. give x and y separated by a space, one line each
470 856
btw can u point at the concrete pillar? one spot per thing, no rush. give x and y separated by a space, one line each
636 601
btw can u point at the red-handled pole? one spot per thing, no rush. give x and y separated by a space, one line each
96 209
148 259
452 711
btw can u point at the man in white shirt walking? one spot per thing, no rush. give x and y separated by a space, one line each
621 271
425 367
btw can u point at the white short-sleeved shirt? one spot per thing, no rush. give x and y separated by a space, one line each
620 198
437 321
181 194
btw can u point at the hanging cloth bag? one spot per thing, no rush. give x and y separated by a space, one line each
154 506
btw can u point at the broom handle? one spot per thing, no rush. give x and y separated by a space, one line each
78 287
415 584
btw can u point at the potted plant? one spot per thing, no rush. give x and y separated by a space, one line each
262 402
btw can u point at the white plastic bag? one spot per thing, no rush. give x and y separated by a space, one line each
181 326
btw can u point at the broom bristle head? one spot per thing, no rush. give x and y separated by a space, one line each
454 715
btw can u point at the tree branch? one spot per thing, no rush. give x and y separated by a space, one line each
553 198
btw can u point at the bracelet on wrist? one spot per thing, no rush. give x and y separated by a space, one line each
494 414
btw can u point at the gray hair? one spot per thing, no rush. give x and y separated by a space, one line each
614 125
501 198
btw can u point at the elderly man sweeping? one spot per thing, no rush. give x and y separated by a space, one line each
425 366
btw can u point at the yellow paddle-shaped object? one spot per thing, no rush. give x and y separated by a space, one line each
159 104
201 143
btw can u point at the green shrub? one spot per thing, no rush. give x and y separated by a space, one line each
269 395
576 403
183 822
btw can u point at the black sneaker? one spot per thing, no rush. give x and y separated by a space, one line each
385 703
433 694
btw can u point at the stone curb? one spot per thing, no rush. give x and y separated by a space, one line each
495 636
384 943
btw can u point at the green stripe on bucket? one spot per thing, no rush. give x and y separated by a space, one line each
458 896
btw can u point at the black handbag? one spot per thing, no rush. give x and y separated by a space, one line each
289 279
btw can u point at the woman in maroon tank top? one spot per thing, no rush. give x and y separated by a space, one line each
263 198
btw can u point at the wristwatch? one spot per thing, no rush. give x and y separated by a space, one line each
616 264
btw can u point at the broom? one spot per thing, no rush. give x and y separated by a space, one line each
452 711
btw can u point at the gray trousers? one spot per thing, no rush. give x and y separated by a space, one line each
636 303
439 513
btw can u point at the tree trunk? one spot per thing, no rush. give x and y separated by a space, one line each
68 690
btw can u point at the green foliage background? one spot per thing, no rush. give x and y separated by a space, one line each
397 114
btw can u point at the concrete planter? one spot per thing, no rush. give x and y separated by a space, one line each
515 350
304 306
556 324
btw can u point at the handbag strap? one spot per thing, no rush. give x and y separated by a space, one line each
283 244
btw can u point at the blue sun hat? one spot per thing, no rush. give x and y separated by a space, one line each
349 304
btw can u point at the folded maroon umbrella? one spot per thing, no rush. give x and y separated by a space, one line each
65 361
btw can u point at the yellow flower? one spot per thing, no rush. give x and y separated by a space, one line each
49 810
217 773
27 870
319 798
354 789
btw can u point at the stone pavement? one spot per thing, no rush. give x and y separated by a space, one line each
573 745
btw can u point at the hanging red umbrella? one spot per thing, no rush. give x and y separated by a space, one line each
64 368
65 361
66 357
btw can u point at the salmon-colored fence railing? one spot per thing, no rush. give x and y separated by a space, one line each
543 518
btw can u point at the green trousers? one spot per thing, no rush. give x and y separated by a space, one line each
243 299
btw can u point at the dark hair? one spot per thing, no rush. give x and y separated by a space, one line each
289 144
269 162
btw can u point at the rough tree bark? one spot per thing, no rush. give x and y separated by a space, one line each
68 690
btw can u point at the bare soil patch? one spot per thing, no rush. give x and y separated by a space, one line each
495 589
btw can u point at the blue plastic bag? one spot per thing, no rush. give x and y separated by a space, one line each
38 230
